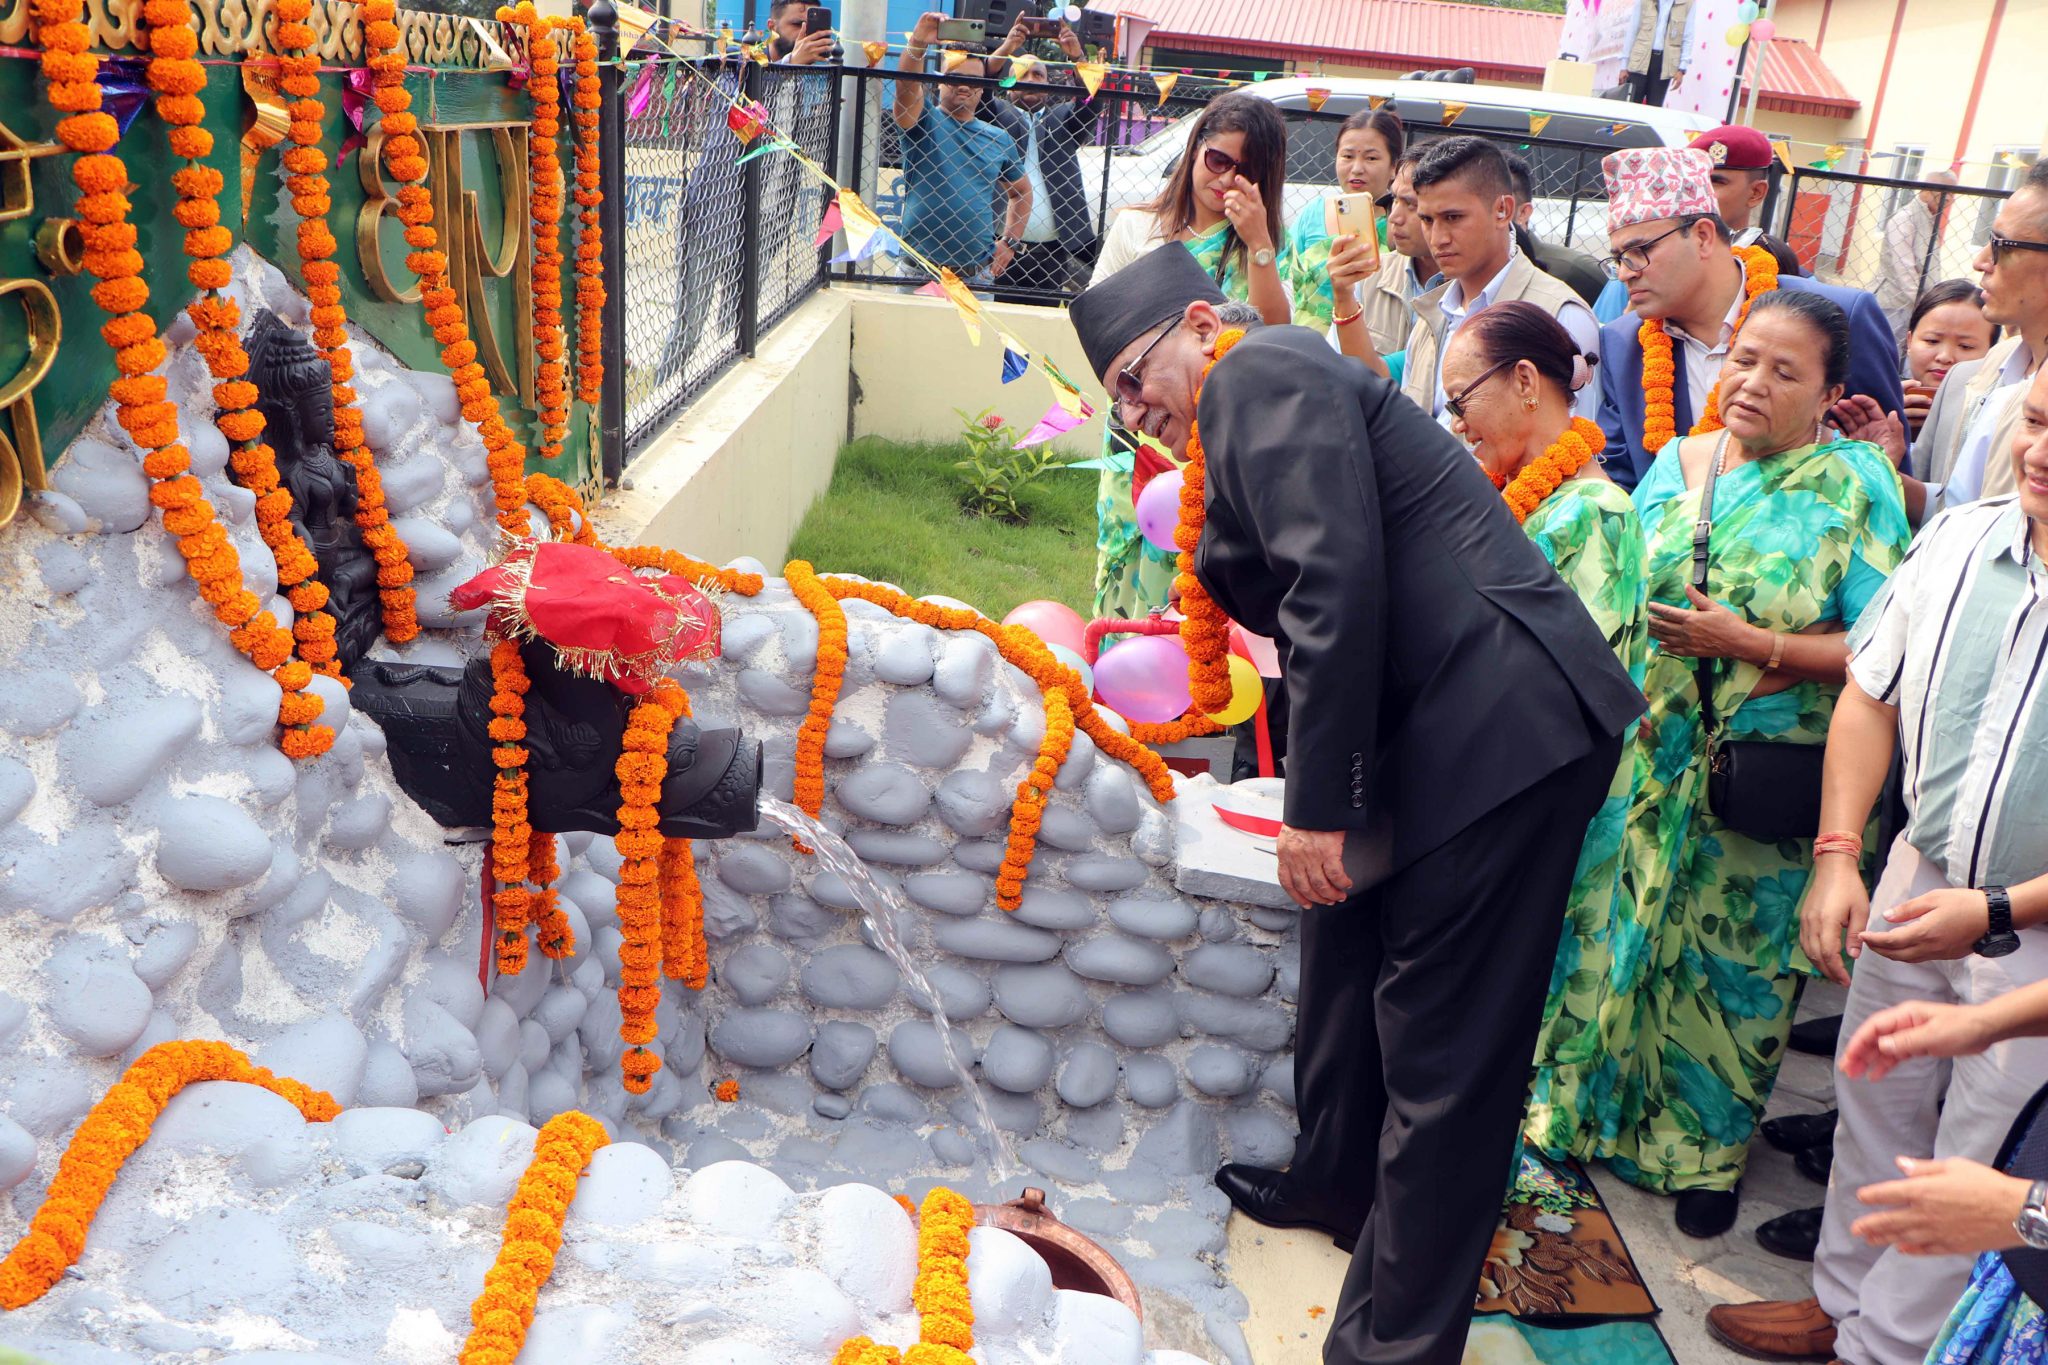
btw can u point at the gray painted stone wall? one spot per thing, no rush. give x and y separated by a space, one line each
165 872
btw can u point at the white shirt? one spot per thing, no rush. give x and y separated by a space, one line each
1703 362
1576 317
1966 480
1663 22
1039 227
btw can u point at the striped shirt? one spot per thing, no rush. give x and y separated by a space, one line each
1958 642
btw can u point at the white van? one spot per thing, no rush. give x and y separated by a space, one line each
1570 198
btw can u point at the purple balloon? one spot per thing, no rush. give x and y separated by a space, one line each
1145 679
1159 511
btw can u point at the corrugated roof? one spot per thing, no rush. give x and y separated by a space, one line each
1499 44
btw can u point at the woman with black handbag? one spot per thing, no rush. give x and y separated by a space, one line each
1766 539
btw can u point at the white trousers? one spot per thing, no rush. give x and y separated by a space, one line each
1888 1307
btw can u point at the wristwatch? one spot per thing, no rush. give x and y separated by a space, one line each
1263 256
2032 1224
1999 939
1014 243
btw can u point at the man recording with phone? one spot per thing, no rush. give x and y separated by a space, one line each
1059 235
803 33
953 164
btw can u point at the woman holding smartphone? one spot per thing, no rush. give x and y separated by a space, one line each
1328 260
1223 204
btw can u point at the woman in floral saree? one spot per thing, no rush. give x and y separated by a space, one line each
1706 971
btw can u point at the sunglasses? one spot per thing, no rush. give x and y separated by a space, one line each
1456 406
1223 163
1130 380
2000 245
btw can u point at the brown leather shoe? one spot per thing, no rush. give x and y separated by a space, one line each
1774 1330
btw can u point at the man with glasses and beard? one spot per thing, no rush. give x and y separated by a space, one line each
1683 273
1433 815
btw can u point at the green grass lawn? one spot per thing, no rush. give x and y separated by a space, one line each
893 513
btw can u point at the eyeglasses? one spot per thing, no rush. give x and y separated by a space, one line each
2000 245
1456 406
1636 259
1130 380
1223 163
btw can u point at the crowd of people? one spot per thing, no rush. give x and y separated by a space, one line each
1716 635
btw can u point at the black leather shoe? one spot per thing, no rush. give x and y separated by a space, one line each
1707 1213
1263 1197
1794 1133
1817 1037
1815 1162
1792 1235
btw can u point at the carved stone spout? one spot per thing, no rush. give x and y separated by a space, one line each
436 720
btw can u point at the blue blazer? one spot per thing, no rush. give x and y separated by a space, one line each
1873 370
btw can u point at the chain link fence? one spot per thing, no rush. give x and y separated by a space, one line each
940 190
1894 238
717 247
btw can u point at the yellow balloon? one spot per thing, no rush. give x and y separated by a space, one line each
1245 693
1738 35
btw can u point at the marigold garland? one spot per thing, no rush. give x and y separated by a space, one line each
512 834
117 1125
685 956
728 1091
1204 629
642 764
552 930
533 1235
590 293
142 406
707 576
305 163
1191 726
544 199
1542 476
1029 808
563 507
945 1325
1660 367
825 684
506 457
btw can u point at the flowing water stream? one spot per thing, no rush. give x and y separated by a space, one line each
879 908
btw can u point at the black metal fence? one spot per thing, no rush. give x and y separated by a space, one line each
1122 145
714 247
1892 237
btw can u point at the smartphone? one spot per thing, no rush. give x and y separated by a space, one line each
1039 28
1353 215
963 31
817 19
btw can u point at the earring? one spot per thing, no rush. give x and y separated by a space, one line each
1529 403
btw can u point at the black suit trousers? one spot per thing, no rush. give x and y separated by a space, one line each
1420 1000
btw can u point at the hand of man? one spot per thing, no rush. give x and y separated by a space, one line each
1352 261
1955 1207
1246 209
1001 262
926 31
1939 926
1918 1028
812 48
1859 418
1070 43
1312 866
1705 630
1836 906
1014 40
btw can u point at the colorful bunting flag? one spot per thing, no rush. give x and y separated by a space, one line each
1376 102
1452 111
1258 76
1618 128
969 307
1165 80
1056 422
829 225
773 144
758 54
747 120
1016 364
1317 97
1784 151
724 39
876 50
2012 159
1064 391
951 60
642 93
1091 74
864 231
1538 122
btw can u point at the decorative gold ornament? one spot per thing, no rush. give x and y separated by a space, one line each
21 459
17 187
235 28
60 246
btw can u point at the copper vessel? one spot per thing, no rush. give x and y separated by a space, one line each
1076 1262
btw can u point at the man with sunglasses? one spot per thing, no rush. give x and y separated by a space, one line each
1433 814
1673 251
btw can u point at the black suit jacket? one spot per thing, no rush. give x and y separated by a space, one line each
1063 126
1435 664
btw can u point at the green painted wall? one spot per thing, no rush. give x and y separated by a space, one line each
77 386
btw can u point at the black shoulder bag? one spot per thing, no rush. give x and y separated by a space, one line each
1764 789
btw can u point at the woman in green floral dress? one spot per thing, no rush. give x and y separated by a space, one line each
1707 972
1223 202
1511 372
1368 145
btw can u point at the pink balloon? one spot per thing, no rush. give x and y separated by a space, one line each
1056 623
1762 31
1159 511
1145 679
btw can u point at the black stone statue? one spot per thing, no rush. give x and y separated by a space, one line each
295 394
437 722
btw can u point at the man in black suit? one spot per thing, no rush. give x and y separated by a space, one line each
1058 245
1454 720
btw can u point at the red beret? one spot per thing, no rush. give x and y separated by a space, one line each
1733 147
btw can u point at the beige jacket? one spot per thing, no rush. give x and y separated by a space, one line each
1954 411
1645 42
1425 340
1388 300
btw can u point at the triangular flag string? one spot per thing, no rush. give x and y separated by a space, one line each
1317 97
1451 112
1538 122
1165 80
1377 102
876 51
1092 75
829 225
